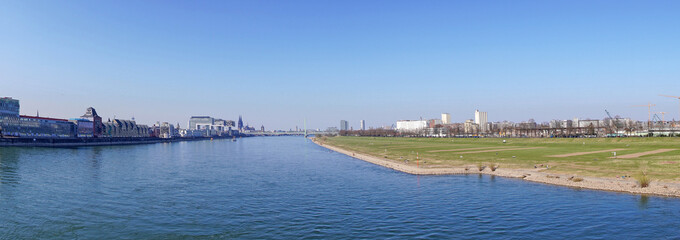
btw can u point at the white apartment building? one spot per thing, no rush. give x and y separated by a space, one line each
481 120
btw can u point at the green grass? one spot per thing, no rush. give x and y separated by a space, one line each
661 166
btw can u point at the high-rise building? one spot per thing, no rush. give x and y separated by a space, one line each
481 119
344 125
363 125
446 118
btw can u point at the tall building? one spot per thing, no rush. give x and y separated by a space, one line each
481 119
363 125
446 118
344 125
240 123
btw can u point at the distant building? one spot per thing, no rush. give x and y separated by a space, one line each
125 128
470 126
85 127
166 130
9 116
30 126
433 123
344 125
481 120
240 123
411 125
200 122
446 118
363 124
13 124
96 121
555 123
211 126
9 107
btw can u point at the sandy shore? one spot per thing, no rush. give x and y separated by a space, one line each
534 175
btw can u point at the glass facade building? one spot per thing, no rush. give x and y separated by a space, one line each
14 125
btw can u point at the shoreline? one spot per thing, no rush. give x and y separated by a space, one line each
534 175
80 142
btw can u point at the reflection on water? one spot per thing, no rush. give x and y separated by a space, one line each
644 202
9 166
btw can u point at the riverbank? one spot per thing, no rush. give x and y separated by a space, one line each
670 189
90 142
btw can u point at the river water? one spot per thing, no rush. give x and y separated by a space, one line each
290 188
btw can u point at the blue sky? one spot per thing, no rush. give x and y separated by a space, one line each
278 62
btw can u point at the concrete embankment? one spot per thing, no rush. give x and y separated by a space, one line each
670 189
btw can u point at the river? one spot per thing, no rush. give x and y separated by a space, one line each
290 188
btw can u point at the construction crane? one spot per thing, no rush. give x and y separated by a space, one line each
649 107
663 119
615 120
657 119
669 96
663 116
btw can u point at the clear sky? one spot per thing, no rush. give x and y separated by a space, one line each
278 62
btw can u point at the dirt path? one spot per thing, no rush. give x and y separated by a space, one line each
585 153
502 149
419 146
464 149
640 154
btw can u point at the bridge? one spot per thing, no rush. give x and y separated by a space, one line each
289 133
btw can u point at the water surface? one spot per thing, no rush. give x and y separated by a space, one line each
288 187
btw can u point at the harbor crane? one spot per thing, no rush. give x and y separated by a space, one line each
670 96
649 107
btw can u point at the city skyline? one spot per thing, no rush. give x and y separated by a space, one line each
279 63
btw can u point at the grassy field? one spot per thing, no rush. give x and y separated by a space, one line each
529 152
